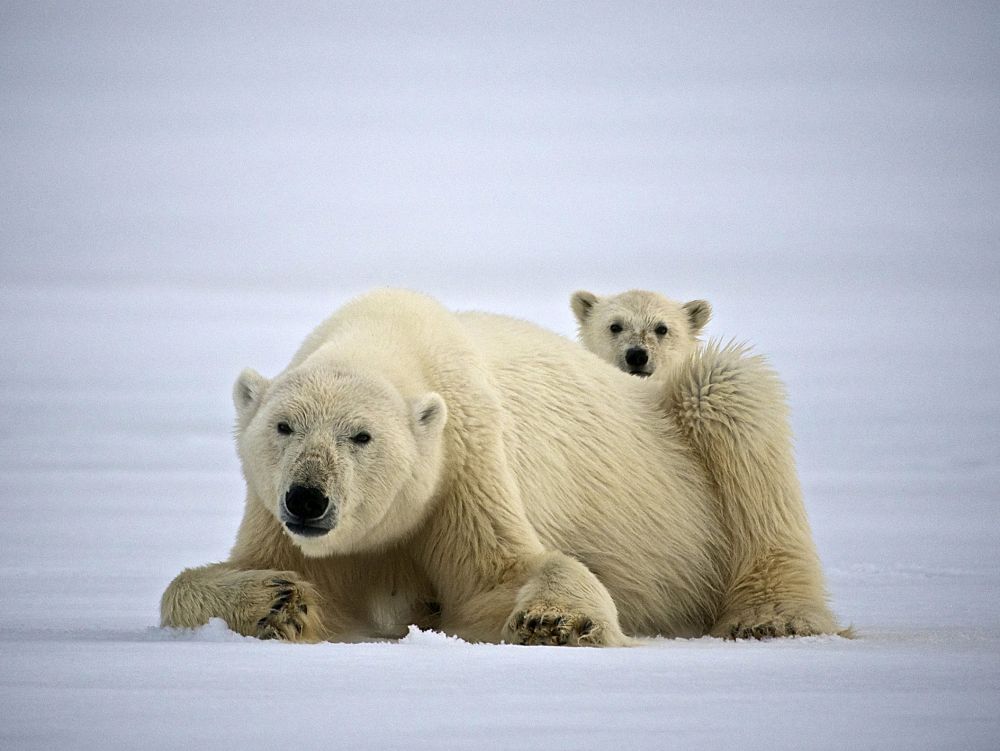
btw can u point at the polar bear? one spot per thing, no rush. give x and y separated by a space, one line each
465 472
637 331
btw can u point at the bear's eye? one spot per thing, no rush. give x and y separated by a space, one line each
615 328
284 428
361 438
661 330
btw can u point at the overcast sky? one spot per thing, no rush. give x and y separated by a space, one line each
346 145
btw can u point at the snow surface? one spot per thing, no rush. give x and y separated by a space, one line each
188 188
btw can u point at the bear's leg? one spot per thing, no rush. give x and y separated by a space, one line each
731 407
775 593
562 602
262 603
495 580
538 598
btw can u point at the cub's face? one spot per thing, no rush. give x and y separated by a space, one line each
341 459
639 332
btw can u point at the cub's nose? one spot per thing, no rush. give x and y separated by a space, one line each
306 503
636 357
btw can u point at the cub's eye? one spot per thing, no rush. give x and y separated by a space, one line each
284 428
615 328
361 438
661 330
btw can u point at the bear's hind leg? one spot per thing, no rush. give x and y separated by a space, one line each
731 407
775 593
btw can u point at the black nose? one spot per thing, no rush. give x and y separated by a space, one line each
637 357
306 503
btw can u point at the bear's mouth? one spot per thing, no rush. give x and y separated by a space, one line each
640 373
296 526
307 530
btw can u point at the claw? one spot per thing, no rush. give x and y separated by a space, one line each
268 633
281 601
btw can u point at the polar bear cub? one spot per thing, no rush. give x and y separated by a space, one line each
637 331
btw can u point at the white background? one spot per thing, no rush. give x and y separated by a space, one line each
186 189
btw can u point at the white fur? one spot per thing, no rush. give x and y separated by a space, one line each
515 488
731 406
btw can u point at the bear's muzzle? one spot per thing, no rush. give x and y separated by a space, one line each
306 511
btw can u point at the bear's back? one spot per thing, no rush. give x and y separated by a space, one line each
588 442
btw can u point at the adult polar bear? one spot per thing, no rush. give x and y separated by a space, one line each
481 475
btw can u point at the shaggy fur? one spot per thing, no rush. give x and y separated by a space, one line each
513 488
731 407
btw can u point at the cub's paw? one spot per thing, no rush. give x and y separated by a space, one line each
279 606
546 625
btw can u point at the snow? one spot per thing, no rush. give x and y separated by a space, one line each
187 189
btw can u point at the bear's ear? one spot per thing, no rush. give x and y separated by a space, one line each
698 313
582 304
247 391
429 414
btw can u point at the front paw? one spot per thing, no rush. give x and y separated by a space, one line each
553 626
279 606
288 616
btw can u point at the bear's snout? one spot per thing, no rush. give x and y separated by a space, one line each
305 511
306 503
636 357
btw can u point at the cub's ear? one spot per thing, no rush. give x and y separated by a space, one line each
429 414
582 304
247 391
698 313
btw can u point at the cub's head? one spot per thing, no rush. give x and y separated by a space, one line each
639 332
343 461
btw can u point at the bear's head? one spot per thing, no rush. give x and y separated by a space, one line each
639 332
343 461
